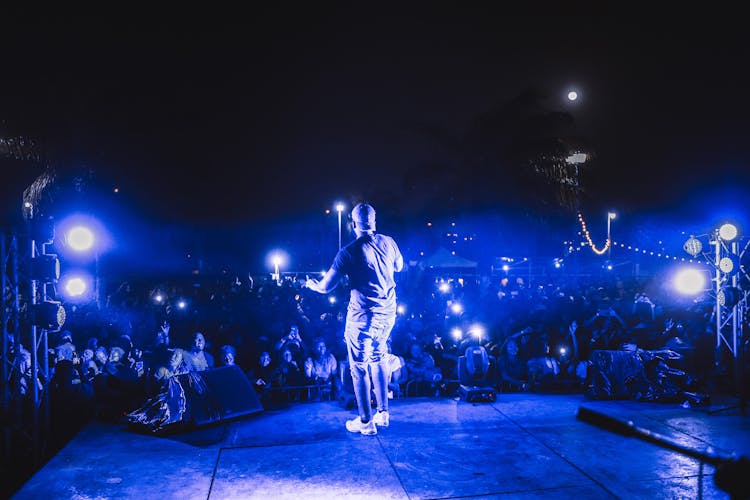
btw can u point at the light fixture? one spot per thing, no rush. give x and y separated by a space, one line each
43 231
729 296
75 287
728 232
689 281
80 238
693 246
729 264
46 268
49 315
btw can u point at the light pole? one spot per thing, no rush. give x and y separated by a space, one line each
276 262
610 217
339 209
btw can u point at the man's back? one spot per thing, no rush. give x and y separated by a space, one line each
370 261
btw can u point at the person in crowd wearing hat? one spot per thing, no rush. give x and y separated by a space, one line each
370 262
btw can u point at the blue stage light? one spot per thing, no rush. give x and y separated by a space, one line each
728 232
181 304
77 286
689 281
80 238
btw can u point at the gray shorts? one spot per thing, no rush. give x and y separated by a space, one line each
367 342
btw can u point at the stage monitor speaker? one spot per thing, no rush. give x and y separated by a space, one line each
222 394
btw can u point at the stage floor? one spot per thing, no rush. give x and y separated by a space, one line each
521 446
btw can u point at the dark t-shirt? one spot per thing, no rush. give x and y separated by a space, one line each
370 262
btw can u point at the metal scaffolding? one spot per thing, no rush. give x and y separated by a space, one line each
731 302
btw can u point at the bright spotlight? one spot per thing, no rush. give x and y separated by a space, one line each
689 281
728 232
444 287
332 299
572 95
729 265
457 308
80 238
477 331
401 309
506 267
182 304
457 333
158 298
75 287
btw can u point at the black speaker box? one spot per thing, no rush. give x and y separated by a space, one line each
218 395
474 394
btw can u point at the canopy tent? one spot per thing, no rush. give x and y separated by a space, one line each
444 259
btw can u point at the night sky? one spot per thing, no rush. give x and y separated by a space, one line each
223 117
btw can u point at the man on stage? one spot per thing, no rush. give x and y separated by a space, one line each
370 262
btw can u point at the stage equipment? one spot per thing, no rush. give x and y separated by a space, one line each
230 395
46 268
731 472
475 375
49 315
730 300
693 246
196 399
80 238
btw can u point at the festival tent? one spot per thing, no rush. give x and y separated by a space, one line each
444 259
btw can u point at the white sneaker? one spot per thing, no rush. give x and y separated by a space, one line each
356 425
381 419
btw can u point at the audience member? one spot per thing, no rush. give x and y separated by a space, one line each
197 358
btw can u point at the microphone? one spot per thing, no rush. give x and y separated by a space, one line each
732 470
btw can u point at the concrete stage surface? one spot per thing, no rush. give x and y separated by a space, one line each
524 445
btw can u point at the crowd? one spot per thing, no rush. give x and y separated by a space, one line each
112 357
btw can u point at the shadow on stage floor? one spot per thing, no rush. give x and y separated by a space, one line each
520 446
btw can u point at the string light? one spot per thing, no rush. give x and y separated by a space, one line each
586 234
639 251
649 252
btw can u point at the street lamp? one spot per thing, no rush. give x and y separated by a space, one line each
610 217
276 261
339 209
